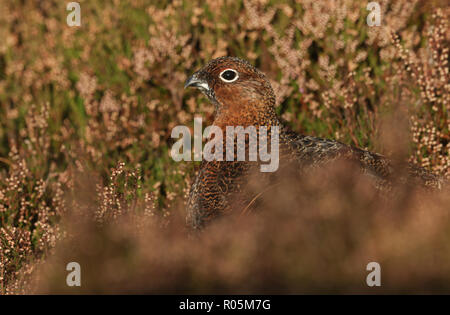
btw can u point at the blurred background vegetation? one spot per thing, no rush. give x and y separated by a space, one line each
86 112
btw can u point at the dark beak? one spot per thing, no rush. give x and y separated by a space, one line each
195 81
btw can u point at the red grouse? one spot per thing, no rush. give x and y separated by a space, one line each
243 96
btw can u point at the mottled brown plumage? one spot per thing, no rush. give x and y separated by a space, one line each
250 101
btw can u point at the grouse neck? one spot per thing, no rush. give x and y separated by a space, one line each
249 114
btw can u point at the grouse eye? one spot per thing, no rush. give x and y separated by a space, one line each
229 75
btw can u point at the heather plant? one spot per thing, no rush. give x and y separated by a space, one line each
86 116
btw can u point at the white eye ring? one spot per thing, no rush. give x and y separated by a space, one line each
226 80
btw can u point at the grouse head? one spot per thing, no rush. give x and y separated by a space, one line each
239 91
